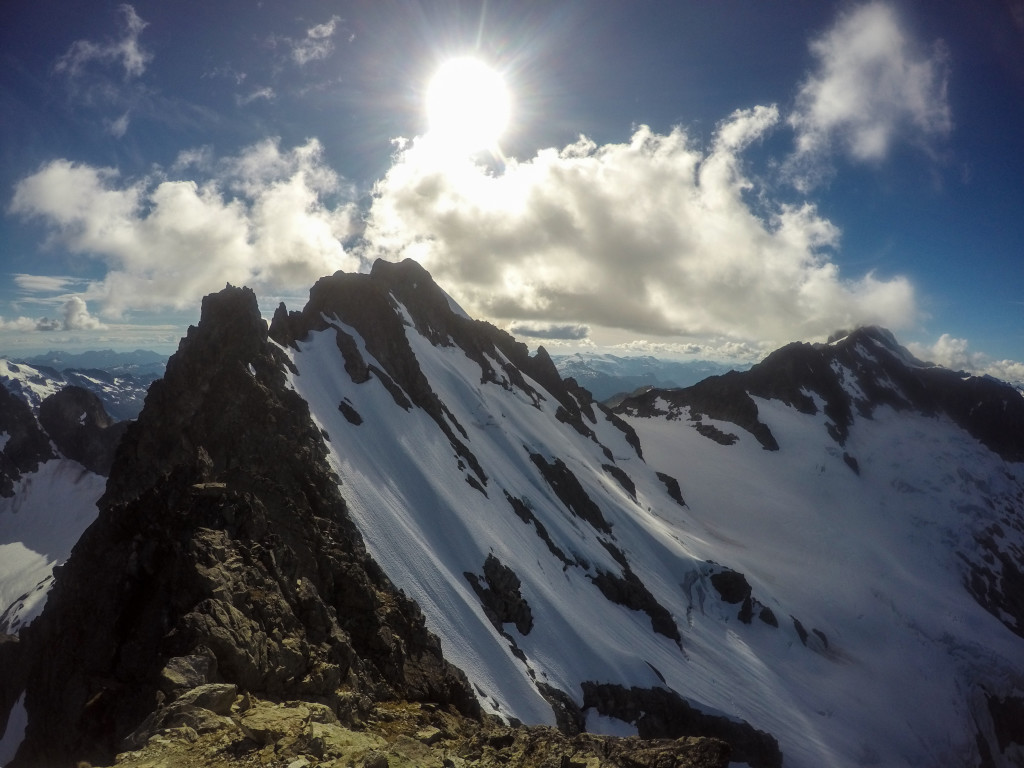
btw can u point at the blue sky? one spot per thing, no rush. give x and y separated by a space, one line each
677 178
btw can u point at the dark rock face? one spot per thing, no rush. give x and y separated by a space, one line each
500 595
81 429
734 589
996 580
25 446
628 590
672 487
572 494
222 536
659 713
732 586
524 513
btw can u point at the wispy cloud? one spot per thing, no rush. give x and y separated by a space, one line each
270 218
124 50
570 331
43 283
119 126
874 84
318 43
265 94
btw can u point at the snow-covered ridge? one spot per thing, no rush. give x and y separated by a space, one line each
814 591
121 391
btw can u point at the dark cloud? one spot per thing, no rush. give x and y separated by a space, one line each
548 331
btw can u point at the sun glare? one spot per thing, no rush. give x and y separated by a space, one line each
468 106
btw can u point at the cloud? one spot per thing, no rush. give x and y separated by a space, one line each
43 283
711 349
317 44
573 331
118 127
266 93
268 218
77 317
74 317
873 85
657 236
125 50
954 353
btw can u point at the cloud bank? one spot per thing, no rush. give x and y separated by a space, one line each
656 236
955 354
270 218
661 235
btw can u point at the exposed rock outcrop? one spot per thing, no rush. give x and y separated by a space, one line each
301 734
23 444
659 713
500 595
79 426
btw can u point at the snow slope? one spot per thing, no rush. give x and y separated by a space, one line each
879 656
38 527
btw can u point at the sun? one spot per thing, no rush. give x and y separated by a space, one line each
468 106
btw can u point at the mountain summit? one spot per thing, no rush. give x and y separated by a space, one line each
380 511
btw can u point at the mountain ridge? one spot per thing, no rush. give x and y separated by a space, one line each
613 572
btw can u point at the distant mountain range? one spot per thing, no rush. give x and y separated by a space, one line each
119 380
607 375
379 533
141 362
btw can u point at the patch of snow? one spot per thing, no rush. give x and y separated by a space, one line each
17 722
39 525
4 437
612 726
454 306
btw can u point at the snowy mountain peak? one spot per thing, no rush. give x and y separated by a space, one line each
847 378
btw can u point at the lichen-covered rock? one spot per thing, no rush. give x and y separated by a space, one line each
293 734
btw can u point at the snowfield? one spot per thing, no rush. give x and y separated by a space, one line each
879 657
39 525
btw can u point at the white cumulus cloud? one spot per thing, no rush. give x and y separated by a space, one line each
74 316
268 218
655 236
954 353
873 85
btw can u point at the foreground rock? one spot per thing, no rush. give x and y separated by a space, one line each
294 734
